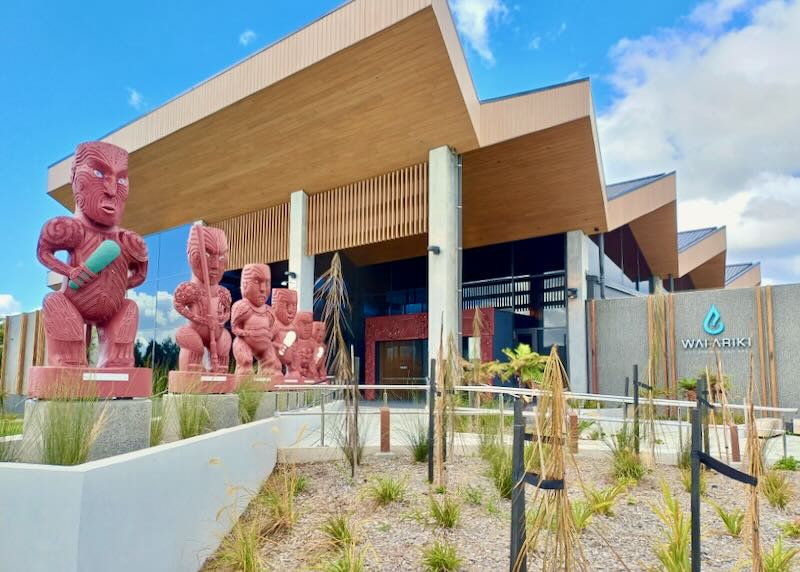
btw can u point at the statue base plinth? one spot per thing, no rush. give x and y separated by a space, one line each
53 382
259 382
202 382
301 381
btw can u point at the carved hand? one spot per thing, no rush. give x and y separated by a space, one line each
81 275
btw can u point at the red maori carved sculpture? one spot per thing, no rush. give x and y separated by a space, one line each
103 262
252 323
300 362
284 306
319 370
205 303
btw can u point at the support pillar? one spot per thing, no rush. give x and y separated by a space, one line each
301 264
444 249
577 267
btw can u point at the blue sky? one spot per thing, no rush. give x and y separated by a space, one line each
660 71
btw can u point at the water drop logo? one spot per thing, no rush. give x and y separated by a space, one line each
713 324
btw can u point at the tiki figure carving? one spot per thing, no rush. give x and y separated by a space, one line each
284 306
205 303
319 370
103 262
252 322
300 363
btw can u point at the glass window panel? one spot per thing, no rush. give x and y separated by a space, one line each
172 252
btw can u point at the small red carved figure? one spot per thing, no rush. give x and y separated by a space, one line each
205 303
301 358
252 321
284 306
103 262
319 371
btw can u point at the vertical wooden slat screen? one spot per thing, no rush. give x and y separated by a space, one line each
258 236
389 206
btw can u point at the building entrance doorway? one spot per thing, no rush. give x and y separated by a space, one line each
542 339
403 362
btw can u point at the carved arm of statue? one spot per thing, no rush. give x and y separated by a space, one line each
239 315
136 249
187 297
62 233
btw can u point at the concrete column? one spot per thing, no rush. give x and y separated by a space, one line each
577 267
444 249
301 264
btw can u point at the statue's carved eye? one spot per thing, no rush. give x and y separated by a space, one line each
123 181
98 173
221 258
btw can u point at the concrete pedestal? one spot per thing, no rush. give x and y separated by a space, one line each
223 411
125 426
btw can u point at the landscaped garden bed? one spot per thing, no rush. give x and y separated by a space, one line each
399 534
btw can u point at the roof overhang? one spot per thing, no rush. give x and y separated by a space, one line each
651 213
747 279
704 260
362 91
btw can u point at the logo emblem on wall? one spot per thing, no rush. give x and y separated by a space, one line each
713 324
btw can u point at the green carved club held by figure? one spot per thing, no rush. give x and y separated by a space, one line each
103 255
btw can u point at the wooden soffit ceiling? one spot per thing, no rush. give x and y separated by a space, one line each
711 273
370 88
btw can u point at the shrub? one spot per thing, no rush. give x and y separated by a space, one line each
385 490
473 495
601 501
673 553
447 513
786 464
791 528
194 416
440 557
627 466
779 559
776 487
339 531
733 520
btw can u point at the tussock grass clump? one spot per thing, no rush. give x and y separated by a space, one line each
733 520
194 415
339 531
277 500
601 501
440 557
446 513
157 422
779 558
627 465
415 435
674 551
350 559
686 480
776 488
8 426
250 394
473 495
791 528
241 549
69 427
385 490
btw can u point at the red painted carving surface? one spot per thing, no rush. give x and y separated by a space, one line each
300 357
96 297
252 322
205 303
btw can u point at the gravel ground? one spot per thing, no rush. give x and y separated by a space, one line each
394 536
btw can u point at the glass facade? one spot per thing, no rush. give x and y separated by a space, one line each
625 268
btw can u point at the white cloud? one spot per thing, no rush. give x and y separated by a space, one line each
719 106
247 37
135 99
535 43
9 305
473 18
157 313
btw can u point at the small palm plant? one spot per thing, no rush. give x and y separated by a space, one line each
673 553
733 520
524 364
780 559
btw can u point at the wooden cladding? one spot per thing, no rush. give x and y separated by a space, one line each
387 207
258 236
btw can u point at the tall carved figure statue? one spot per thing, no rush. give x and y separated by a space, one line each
252 323
103 262
205 303
284 305
300 364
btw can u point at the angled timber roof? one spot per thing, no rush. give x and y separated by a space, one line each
616 190
742 275
687 238
701 255
365 90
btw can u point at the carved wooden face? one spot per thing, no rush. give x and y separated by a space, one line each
318 332
100 182
284 301
303 325
256 283
216 252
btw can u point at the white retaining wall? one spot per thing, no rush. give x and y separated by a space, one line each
155 509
